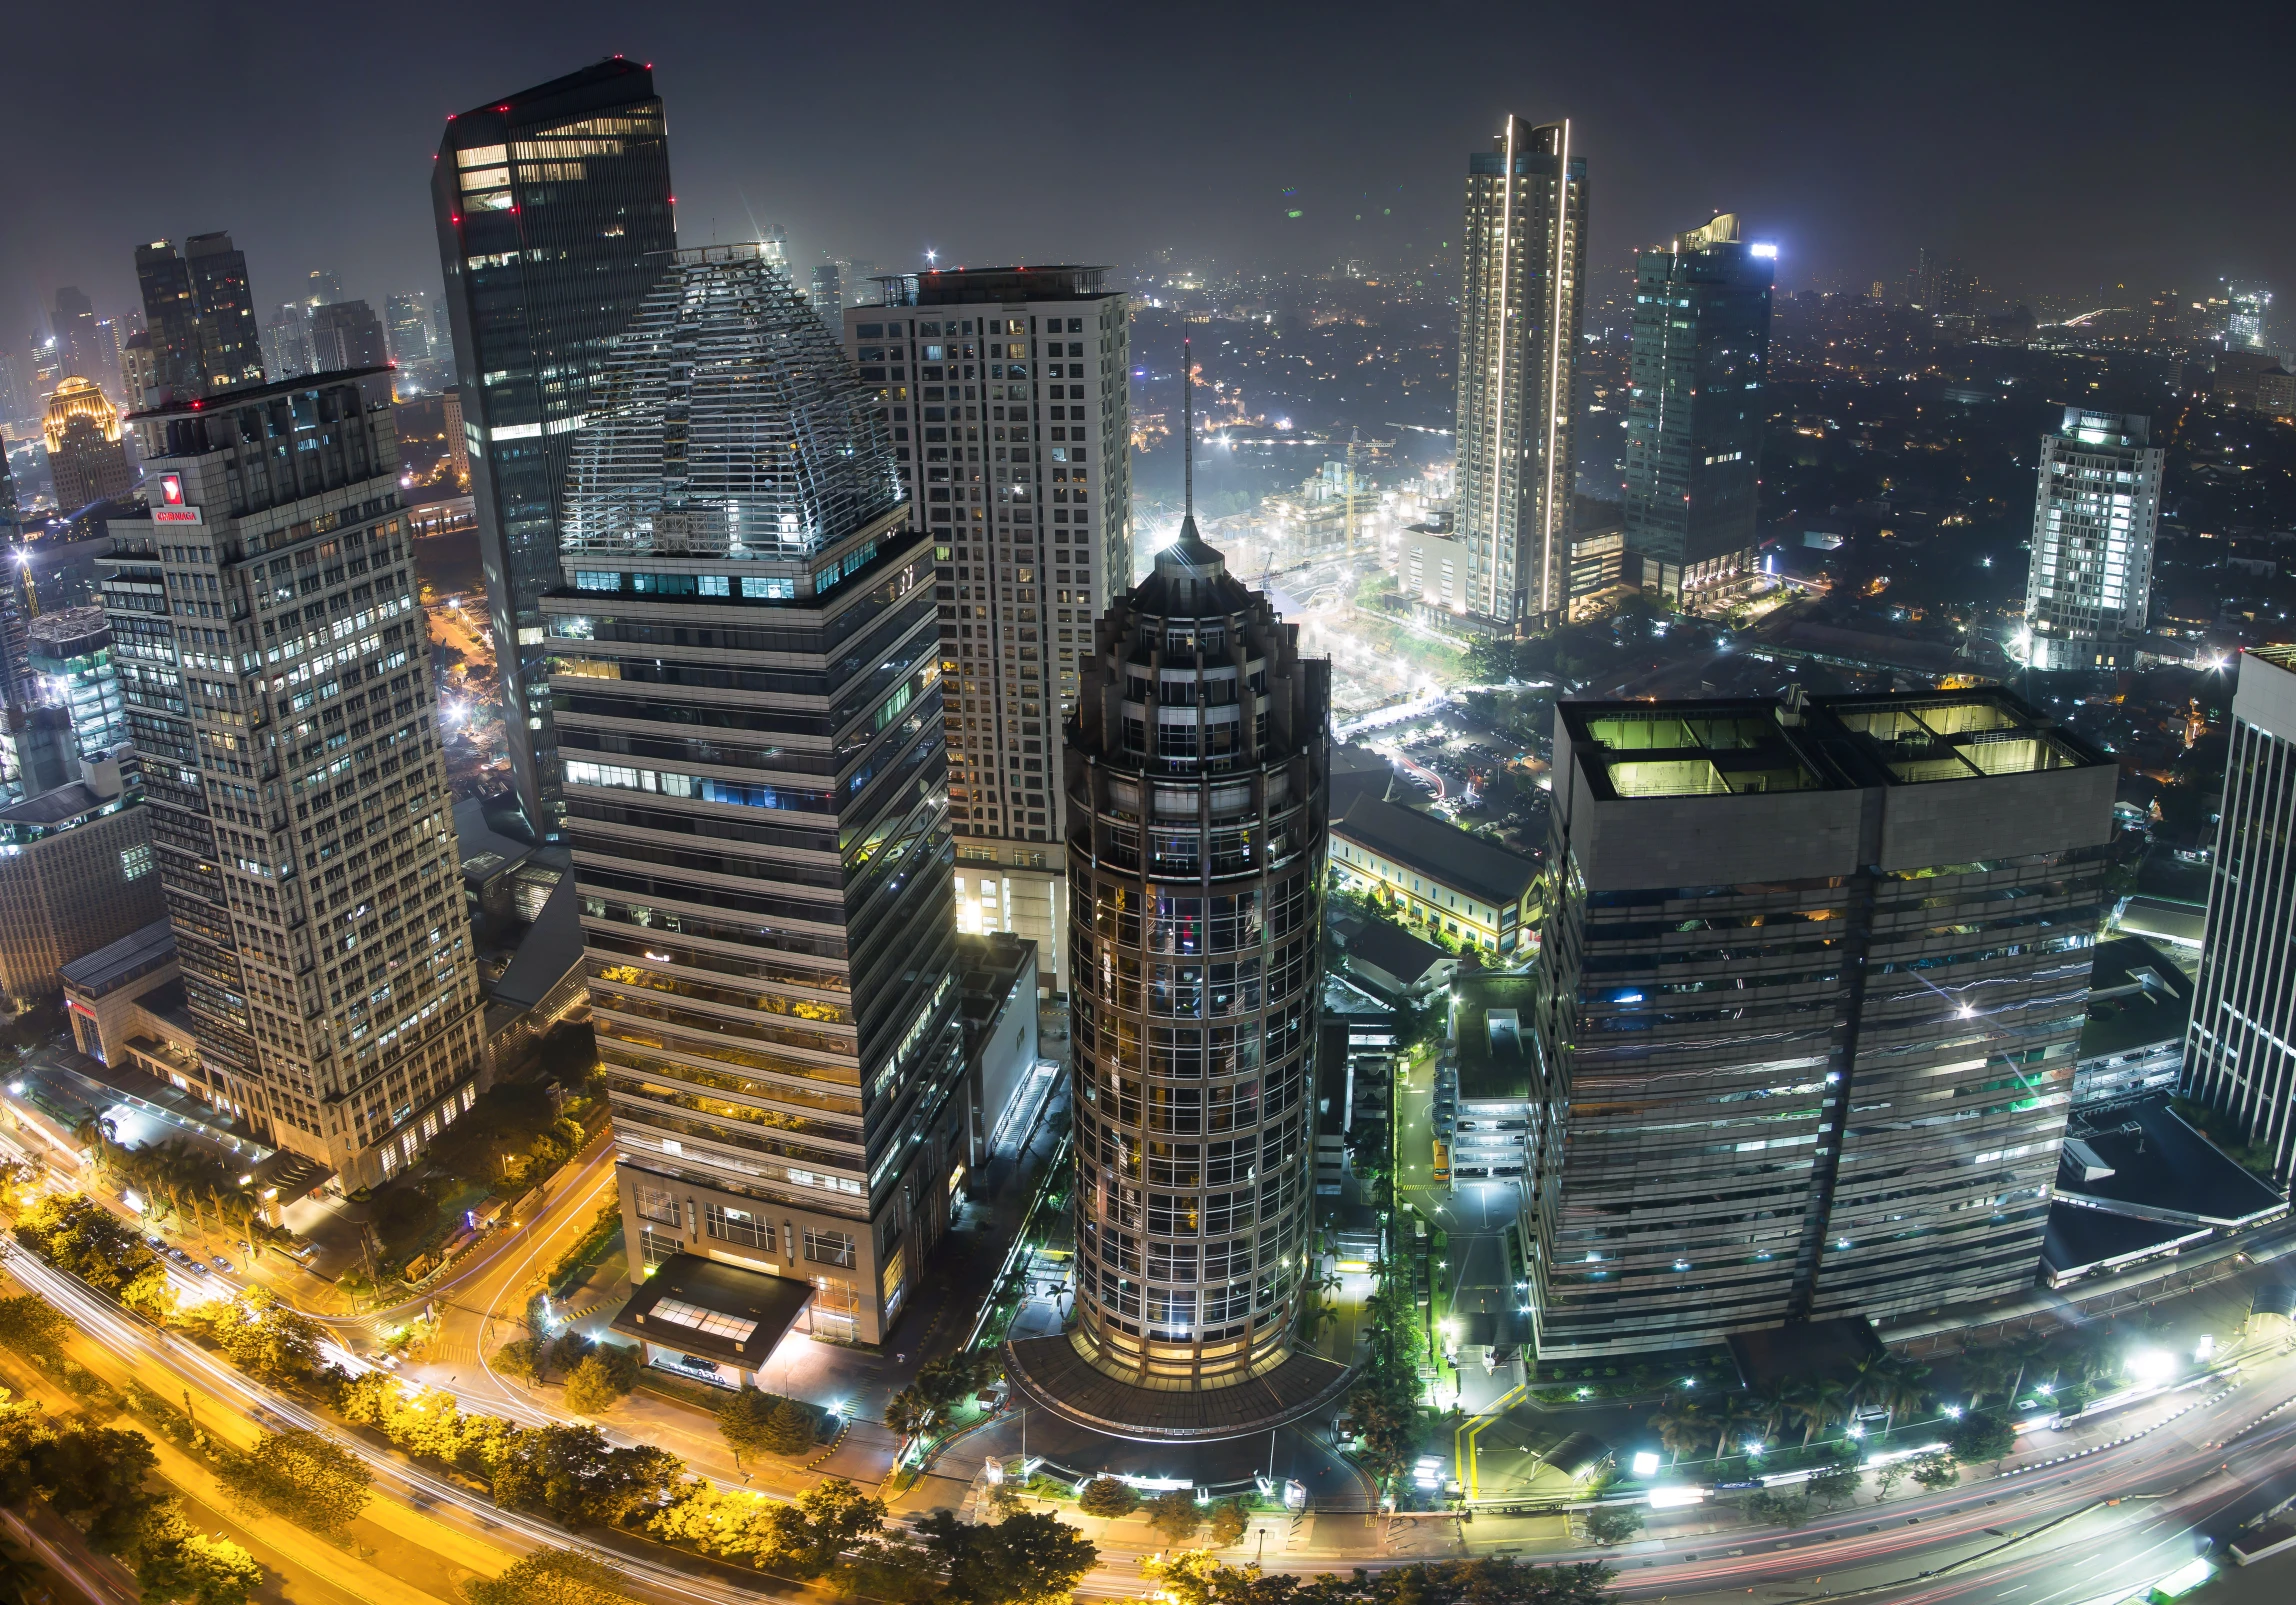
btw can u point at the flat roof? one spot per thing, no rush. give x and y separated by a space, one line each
241 395
1494 1056
2137 998
720 1312
1393 950
1736 746
1441 852
137 953
2078 1242
2161 1169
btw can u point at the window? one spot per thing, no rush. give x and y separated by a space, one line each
739 1226
735 1328
135 862
656 1247
829 1247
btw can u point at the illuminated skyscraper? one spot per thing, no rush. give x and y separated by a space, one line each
409 321
277 681
1198 779
746 654
2246 327
1694 412
201 316
1005 390
552 207
85 451
346 335
2239 1058
2094 521
1522 285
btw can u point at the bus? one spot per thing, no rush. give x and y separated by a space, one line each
1442 1163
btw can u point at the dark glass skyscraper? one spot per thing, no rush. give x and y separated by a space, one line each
201 315
1694 414
747 679
549 203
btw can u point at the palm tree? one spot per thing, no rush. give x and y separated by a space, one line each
1817 1404
1734 1417
1897 1386
1774 1402
1681 1425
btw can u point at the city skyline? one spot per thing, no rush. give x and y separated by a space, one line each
1851 186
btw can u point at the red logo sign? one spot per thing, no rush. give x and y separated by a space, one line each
171 489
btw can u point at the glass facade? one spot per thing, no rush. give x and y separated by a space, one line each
755 787
1522 289
200 313
1694 412
553 206
1806 1024
1197 782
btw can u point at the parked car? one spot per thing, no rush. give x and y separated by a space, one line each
222 1264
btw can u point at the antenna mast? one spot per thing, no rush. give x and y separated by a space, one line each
1188 428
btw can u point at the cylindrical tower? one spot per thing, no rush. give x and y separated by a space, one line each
1197 784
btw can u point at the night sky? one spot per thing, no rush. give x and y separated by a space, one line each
2054 148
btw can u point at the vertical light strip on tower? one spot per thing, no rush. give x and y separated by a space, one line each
1499 418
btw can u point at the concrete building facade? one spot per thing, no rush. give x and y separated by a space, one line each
1811 991
1006 394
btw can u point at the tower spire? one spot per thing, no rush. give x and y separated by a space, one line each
1187 430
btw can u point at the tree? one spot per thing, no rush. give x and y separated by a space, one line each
743 1419
1613 1524
18 1575
266 1339
1107 1497
908 1412
554 1577
789 1431
573 1475
1228 1523
310 1479
1836 1484
1030 1559
521 1358
1681 1426
1886 1477
33 1326
591 1389
177 1564
1935 1470
1175 1514
1982 1435
1778 1510
808 1537
94 1478
76 1234
151 1296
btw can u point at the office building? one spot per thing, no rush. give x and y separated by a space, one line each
1006 394
1699 383
2140 1012
2238 1056
201 316
277 680
409 325
827 295
1198 774
345 335
85 452
551 205
746 657
1522 286
2094 521
139 369
287 341
76 866
323 287
69 654
1811 992
2248 318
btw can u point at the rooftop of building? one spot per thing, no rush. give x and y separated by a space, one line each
1052 1373
1491 1035
615 78
993 286
551 947
991 963
2140 1159
1357 772
2081 1242
68 629
2137 997
721 1312
69 803
1738 746
1441 852
116 963
1393 954
485 851
242 395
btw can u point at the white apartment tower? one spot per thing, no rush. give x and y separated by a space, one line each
1522 286
1006 394
2094 520
276 677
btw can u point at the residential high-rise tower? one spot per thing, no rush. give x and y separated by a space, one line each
2094 522
1809 998
1522 287
1197 769
277 680
552 206
746 668
1005 391
1699 372
2238 1054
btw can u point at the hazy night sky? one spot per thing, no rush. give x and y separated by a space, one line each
2052 148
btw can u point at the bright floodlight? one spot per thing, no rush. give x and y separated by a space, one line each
1645 1464
1675 1498
2151 1365
1762 250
